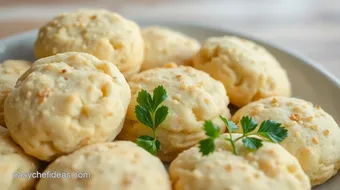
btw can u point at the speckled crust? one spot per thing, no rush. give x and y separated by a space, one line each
10 71
119 165
193 96
247 70
104 34
313 135
270 167
163 45
13 159
64 102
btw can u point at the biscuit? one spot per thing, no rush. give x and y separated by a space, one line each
10 71
269 167
116 165
13 164
193 97
104 34
247 70
313 135
64 102
163 45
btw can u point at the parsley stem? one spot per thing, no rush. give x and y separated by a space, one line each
232 145
153 125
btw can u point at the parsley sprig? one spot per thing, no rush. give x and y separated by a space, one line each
151 114
269 130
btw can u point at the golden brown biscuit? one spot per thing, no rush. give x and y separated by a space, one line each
313 135
193 97
247 70
14 164
64 102
119 165
163 45
102 33
10 71
269 167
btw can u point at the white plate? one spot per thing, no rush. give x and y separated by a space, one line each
309 80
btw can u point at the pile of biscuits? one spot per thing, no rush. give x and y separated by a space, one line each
73 111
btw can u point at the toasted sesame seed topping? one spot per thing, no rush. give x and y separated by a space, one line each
274 100
297 134
178 76
295 117
315 141
309 119
170 65
326 132
315 127
228 168
63 70
318 107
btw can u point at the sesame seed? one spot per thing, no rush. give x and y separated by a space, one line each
317 107
315 127
297 134
274 100
170 65
315 141
326 132
309 119
228 168
295 117
178 76
63 70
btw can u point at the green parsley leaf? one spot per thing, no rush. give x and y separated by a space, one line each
144 99
160 115
229 124
211 130
149 143
159 95
207 146
269 129
151 115
272 131
248 124
252 143
144 116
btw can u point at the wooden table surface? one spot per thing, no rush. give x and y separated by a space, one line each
311 27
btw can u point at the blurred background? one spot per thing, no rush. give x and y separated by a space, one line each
312 27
